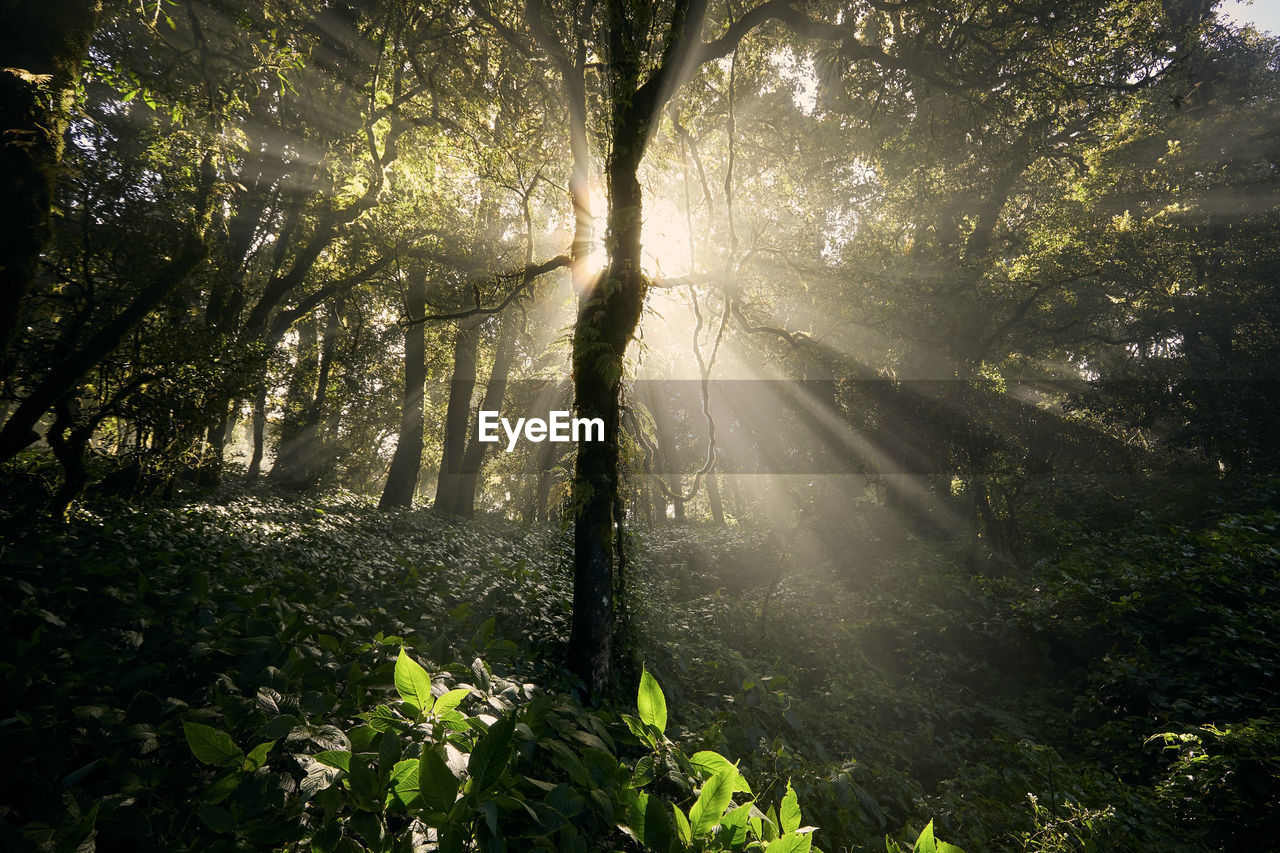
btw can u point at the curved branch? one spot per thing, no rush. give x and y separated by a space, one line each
528 275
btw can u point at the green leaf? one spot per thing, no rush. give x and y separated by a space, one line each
643 774
490 811
436 781
364 779
769 826
789 813
212 746
640 730
651 822
682 825
451 841
714 798
735 825
714 763
926 842
258 755
491 753
651 703
413 683
636 815
338 758
319 777
448 701
404 783
790 844
383 719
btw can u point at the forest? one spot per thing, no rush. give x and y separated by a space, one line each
927 359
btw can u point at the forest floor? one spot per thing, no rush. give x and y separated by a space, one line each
1116 694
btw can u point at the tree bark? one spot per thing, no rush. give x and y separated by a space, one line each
215 440
464 498
713 498
667 463
609 310
402 479
608 314
457 414
259 431
299 457
42 46
68 441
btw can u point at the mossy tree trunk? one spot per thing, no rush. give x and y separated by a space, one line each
42 46
609 308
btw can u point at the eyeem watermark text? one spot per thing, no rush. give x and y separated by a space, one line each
559 427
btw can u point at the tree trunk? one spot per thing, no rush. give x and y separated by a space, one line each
469 479
608 313
546 461
299 457
457 414
68 441
667 463
233 420
48 40
259 431
713 498
402 479
215 440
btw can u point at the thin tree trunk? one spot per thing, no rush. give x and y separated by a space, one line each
608 312
259 431
215 438
667 465
457 414
402 479
299 458
546 456
233 420
494 393
67 441
713 498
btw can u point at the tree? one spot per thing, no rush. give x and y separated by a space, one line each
646 52
41 50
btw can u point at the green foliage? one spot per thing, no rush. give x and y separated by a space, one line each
283 675
925 843
542 774
1221 771
246 635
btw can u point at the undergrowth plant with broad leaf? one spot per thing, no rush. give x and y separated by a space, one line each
493 765
715 821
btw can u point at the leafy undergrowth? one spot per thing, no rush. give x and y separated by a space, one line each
260 674
254 614
1118 695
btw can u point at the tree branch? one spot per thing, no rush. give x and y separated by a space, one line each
528 276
